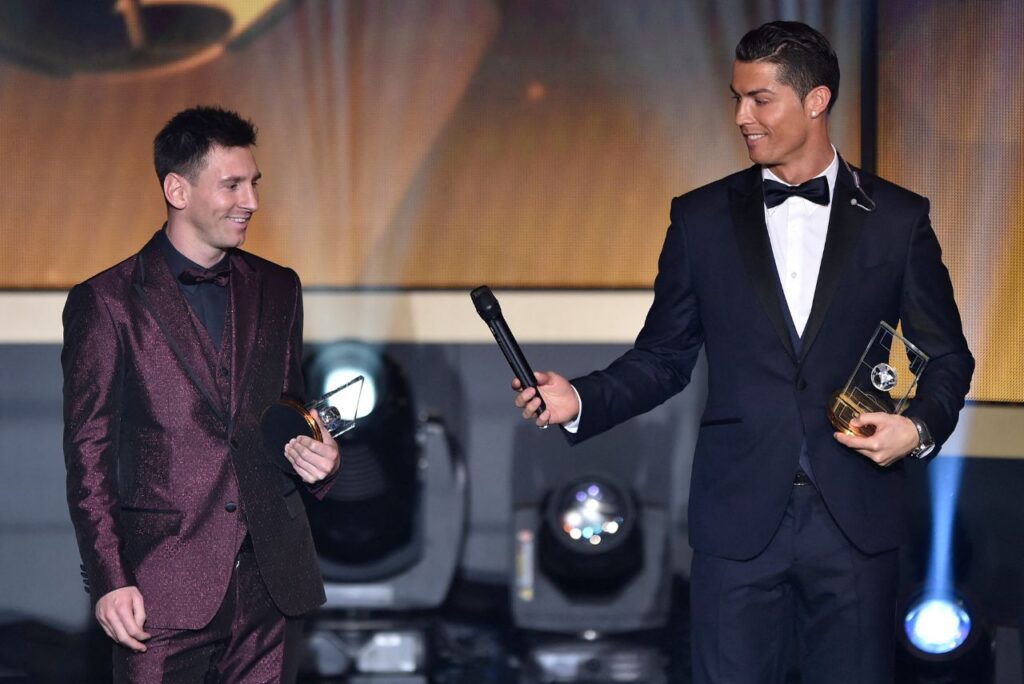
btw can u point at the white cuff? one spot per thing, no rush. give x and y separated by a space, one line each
573 425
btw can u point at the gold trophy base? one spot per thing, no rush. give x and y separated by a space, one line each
841 410
285 419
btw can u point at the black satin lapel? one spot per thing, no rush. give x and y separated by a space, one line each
844 228
756 251
159 293
247 303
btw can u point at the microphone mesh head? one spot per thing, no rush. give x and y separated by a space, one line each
486 303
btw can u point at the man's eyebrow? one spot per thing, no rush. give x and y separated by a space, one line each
756 91
239 179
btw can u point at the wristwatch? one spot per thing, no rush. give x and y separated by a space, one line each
925 443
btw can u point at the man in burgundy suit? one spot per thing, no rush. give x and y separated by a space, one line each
194 538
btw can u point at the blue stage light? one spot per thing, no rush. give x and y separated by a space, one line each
937 625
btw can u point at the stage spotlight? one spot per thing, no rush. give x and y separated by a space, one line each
943 642
937 624
390 531
338 363
590 542
365 527
591 559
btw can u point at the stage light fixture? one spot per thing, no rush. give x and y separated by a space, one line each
937 624
336 364
591 559
365 527
371 652
943 640
595 662
391 529
590 543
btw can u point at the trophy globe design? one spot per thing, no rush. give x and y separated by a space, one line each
881 382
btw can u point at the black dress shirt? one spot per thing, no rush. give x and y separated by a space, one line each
208 301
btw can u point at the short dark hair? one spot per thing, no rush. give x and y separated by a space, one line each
805 58
181 146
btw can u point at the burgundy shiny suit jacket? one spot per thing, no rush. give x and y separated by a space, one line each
166 470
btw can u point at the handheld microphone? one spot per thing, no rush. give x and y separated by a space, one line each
487 306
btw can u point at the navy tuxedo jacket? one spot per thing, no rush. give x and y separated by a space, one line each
717 286
156 450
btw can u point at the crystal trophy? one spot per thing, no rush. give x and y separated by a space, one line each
882 382
288 418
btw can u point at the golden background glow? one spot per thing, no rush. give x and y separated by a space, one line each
521 144
951 127
409 144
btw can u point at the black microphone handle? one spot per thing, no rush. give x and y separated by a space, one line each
515 357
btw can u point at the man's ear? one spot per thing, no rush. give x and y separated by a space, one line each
176 190
817 101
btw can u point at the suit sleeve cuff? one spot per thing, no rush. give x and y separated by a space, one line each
573 426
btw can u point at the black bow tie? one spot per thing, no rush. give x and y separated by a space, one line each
814 190
194 276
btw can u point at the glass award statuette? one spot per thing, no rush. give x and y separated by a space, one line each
881 383
288 418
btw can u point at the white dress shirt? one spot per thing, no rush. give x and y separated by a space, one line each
796 229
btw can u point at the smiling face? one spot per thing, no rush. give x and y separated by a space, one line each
781 132
211 215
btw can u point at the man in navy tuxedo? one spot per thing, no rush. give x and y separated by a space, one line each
782 272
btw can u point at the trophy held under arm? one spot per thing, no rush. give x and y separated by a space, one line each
880 383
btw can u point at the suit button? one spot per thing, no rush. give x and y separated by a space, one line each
801 384
224 372
230 507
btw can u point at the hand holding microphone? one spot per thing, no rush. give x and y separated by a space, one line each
490 311
562 404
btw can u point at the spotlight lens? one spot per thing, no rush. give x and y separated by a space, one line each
367 398
589 512
937 625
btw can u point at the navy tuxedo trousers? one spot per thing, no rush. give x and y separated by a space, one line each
810 597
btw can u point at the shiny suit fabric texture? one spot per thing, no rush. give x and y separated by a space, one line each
166 471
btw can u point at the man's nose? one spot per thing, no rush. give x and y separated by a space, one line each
743 113
250 199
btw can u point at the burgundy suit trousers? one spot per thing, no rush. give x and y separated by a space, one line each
248 640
